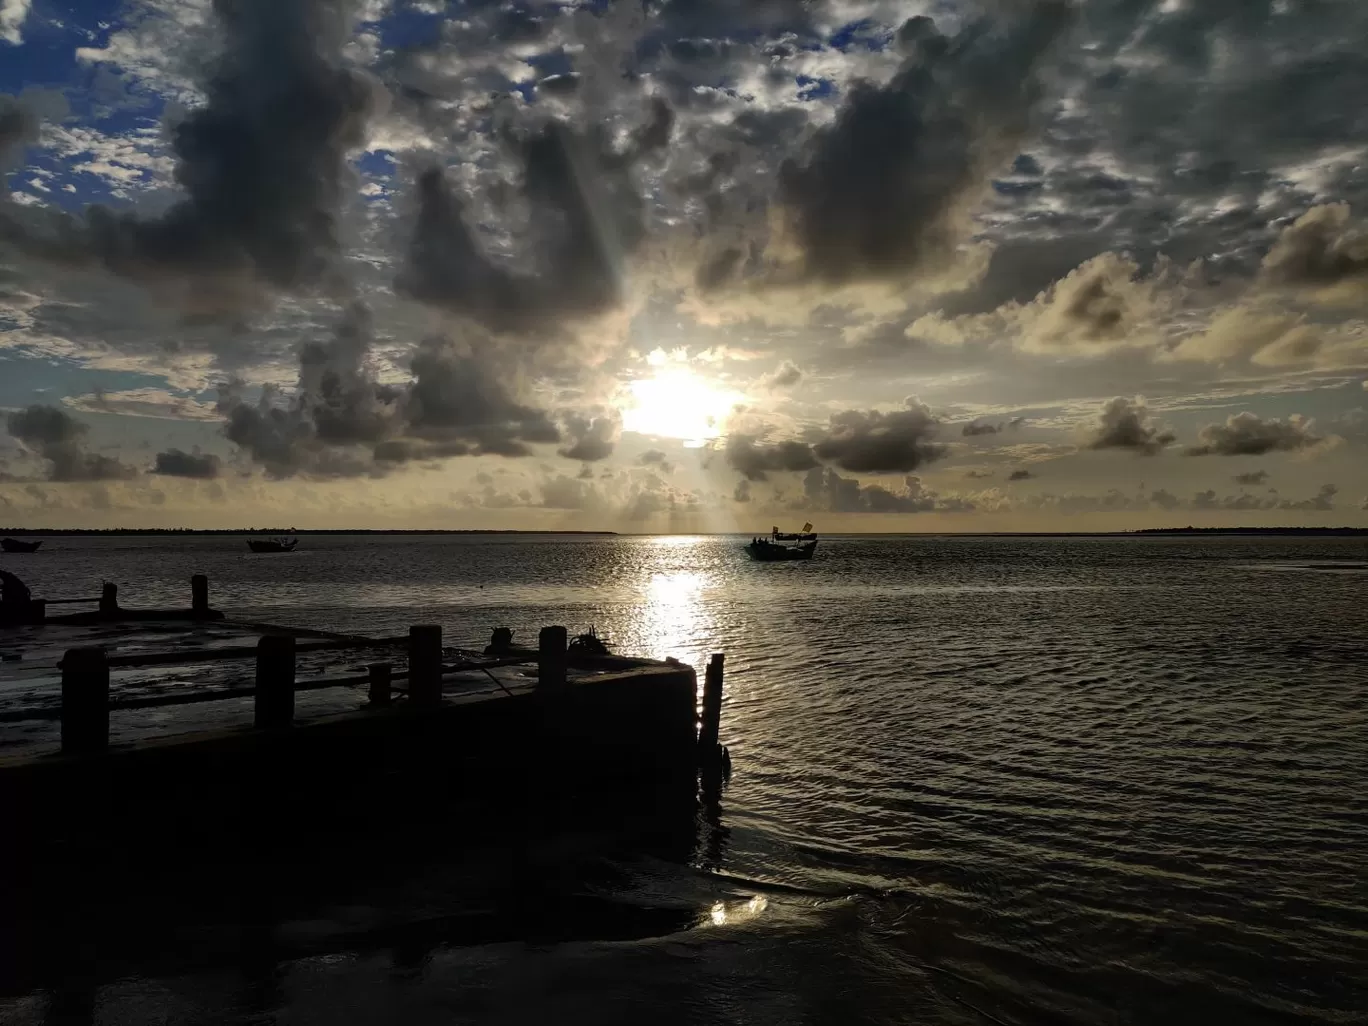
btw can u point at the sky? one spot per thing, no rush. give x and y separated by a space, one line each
684 265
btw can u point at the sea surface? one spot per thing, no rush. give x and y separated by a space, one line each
976 780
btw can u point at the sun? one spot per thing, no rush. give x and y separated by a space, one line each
674 402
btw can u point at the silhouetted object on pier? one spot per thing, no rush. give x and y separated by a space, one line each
17 604
108 608
199 595
85 701
109 599
378 678
16 545
588 643
272 544
425 664
552 657
275 681
13 592
500 642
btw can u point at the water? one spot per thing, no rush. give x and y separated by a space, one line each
977 780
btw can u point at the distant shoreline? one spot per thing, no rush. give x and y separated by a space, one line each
271 531
1148 532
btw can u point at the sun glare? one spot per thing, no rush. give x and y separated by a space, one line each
674 402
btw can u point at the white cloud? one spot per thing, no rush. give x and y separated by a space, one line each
13 14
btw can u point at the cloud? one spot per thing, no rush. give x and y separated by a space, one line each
976 428
592 438
824 489
1124 424
742 492
1319 249
22 116
177 463
756 460
885 189
786 375
57 437
341 422
871 442
262 167
1321 501
656 458
13 14
1020 475
1254 477
1247 434
155 403
1103 302
587 211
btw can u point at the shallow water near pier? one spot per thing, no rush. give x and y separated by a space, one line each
977 780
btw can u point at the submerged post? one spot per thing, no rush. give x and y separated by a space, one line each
85 701
109 599
552 647
275 678
425 664
378 678
711 724
199 594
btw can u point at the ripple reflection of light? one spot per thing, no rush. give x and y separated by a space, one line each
675 619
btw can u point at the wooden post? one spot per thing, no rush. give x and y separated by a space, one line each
712 705
109 599
199 594
425 664
379 674
275 677
37 610
552 658
85 701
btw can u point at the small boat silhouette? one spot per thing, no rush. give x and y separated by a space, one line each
773 549
272 544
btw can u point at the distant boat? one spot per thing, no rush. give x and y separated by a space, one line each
16 545
272 544
774 550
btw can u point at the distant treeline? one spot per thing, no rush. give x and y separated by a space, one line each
273 531
1255 530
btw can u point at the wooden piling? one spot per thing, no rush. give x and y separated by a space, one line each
425 664
378 675
275 679
109 599
711 724
85 701
199 594
552 657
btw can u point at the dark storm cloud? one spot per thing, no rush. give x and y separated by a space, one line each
177 463
1254 477
262 164
871 442
21 117
1247 434
786 375
1319 248
881 190
342 423
585 208
978 428
57 437
459 396
825 489
756 460
591 438
1124 424
656 458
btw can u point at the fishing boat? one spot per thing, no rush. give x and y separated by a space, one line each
272 544
18 545
780 547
